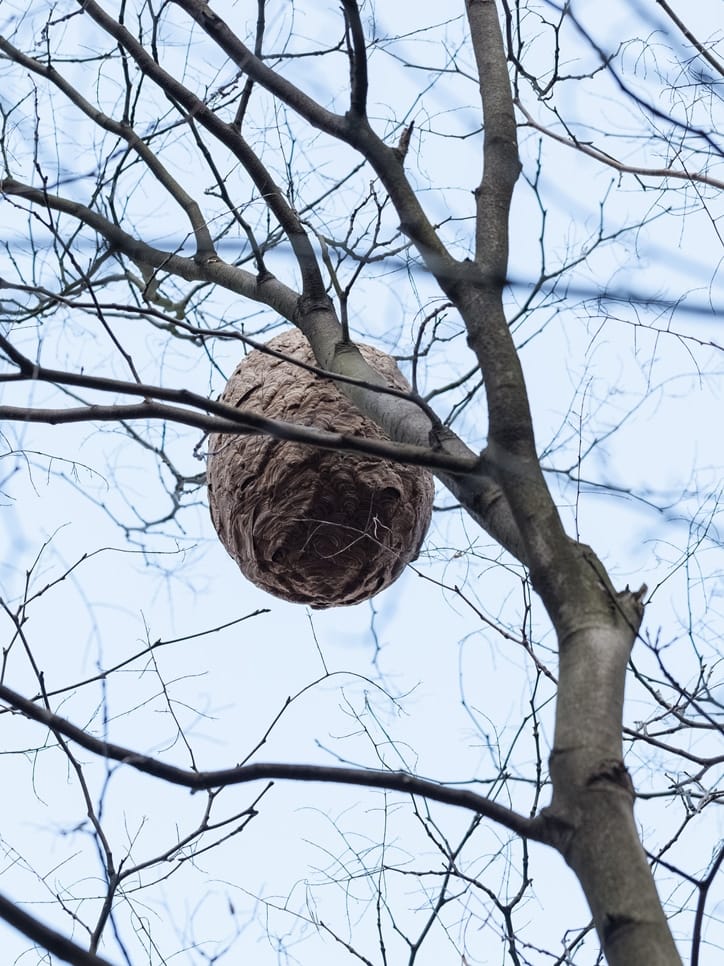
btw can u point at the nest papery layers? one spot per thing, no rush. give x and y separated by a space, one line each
313 526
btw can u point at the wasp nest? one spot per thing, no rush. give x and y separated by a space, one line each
313 526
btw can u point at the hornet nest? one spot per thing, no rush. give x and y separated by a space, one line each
313 526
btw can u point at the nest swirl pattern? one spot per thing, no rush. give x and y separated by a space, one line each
313 526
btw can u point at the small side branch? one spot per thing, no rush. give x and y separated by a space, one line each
590 151
258 48
700 48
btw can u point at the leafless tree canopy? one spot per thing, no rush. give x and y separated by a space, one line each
489 235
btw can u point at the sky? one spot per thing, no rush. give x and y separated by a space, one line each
431 675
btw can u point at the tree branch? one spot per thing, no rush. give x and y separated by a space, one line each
227 134
357 59
267 289
204 245
203 780
703 51
611 162
55 942
223 419
356 132
244 422
554 570
501 164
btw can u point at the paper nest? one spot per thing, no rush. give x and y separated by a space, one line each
313 526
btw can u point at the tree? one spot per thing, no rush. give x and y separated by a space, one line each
174 191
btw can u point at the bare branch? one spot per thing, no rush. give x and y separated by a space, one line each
265 289
240 774
385 160
204 245
258 48
228 135
47 938
512 443
224 418
241 421
501 164
611 162
700 48
357 58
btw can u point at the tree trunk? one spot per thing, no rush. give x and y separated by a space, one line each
591 813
